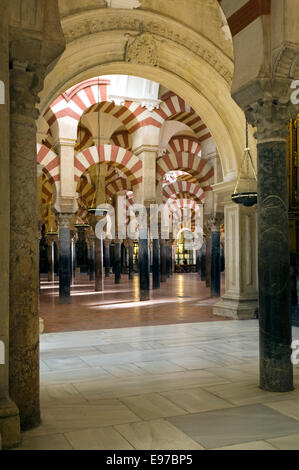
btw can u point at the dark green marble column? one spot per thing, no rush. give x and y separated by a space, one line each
156 263
91 258
276 370
144 265
163 261
99 268
117 262
64 258
131 261
203 262
198 255
215 263
270 116
107 261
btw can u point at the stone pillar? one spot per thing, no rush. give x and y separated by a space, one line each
270 117
74 239
240 298
24 289
131 261
215 262
9 415
90 240
203 261
144 265
163 261
117 261
64 258
51 258
107 257
208 259
99 269
198 259
156 263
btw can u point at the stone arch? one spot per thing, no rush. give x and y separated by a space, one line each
181 189
107 55
184 143
50 161
129 164
191 163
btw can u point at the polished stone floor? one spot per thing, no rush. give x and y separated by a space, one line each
182 386
182 299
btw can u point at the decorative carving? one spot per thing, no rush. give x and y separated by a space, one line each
169 30
270 117
142 49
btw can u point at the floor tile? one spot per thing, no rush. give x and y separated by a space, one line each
98 439
257 445
152 406
246 393
195 400
53 442
231 426
286 443
61 419
157 435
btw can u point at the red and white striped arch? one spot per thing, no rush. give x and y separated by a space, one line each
183 190
117 186
175 108
184 143
125 160
50 162
190 163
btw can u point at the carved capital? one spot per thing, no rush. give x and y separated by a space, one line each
270 117
25 84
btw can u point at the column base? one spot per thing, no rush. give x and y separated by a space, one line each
9 424
236 309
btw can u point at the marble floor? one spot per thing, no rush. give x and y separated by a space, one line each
182 299
167 387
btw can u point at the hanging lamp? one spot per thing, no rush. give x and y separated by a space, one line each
93 209
245 190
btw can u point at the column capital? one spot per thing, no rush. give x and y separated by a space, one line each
64 220
270 117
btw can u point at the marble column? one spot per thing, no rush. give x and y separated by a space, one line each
163 261
51 258
208 259
64 221
117 261
144 265
107 257
203 261
131 261
74 239
156 263
90 240
198 255
99 268
215 262
9 414
276 370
